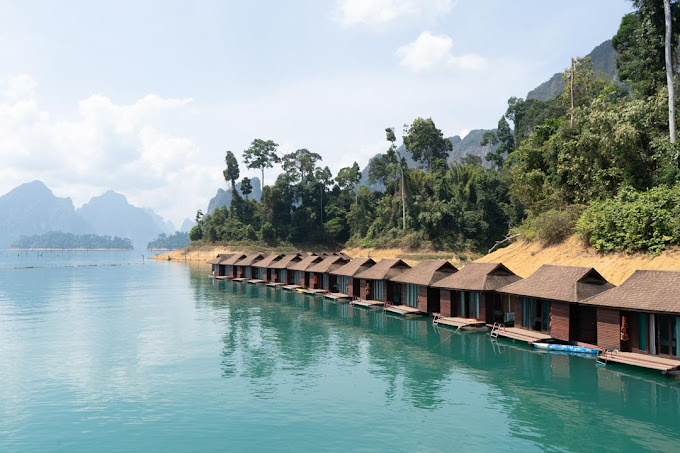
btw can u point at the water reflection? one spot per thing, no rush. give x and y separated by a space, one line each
549 399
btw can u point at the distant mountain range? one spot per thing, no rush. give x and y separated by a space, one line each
604 61
32 209
223 197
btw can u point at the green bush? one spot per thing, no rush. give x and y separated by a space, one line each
553 226
633 221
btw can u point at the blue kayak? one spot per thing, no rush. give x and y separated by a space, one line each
565 348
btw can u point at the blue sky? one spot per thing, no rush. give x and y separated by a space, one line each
146 97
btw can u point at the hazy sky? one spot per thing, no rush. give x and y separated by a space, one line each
145 97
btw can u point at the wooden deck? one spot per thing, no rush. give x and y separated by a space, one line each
315 292
239 279
275 284
526 335
461 323
223 277
403 310
291 287
256 281
339 297
642 360
368 303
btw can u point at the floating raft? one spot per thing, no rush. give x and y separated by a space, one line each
275 284
528 336
470 324
338 297
239 279
315 292
666 366
292 287
222 277
403 310
256 281
368 303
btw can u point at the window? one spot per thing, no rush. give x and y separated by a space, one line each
379 290
412 295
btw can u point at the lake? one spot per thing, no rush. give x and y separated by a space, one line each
105 351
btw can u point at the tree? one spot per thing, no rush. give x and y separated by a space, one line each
232 172
199 216
261 154
669 69
246 187
392 138
325 178
348 178
300 165
425 142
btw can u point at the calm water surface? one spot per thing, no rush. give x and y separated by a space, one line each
102 351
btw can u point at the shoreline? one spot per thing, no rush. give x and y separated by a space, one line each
45 249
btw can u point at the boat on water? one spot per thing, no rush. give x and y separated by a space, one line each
564 348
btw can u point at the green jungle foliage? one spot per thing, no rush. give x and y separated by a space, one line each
597 159
175 241
59 240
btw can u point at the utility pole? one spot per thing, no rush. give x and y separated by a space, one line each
669 71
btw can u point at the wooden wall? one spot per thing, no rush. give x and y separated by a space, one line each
516 305
559 322
422 299
362 290
608 329
482 307
445 302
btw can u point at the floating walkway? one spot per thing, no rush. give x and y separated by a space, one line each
368 303
256 281
315 292
275 284
515 333
338 297
291 287
239 279
669 367
404 310
469 324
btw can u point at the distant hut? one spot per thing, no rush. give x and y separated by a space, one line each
244 267
230 264
642 315
547 301
471 292
320 274
262 269
417 290
346 282
376 284
300 275
281 273
218 269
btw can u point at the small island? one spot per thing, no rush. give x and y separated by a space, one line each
178 240
69 241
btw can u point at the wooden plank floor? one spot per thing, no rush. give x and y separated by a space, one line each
643 360
404 310
368 303
275 284
337 296
316 292
256 281
292 287
239 279
522 334
462 323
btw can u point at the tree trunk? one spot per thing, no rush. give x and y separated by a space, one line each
571 90
262 182
669 71
403 201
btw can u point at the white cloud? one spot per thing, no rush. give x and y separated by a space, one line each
377 12
129 148
429 51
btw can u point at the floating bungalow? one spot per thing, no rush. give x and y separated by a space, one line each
546 305
418 295
322 281
376 287
262 269
244 267
301 278
281 275
218 269
640 319
469 297
230 265
348 285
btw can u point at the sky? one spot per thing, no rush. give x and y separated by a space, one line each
146 97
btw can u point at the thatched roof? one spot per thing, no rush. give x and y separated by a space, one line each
306 263
426 272
250 259
563 283
285 261
354 267
657 291
328 264
220 258
268 260
479 277
384 270
233 259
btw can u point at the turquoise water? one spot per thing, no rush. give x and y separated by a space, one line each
156 356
